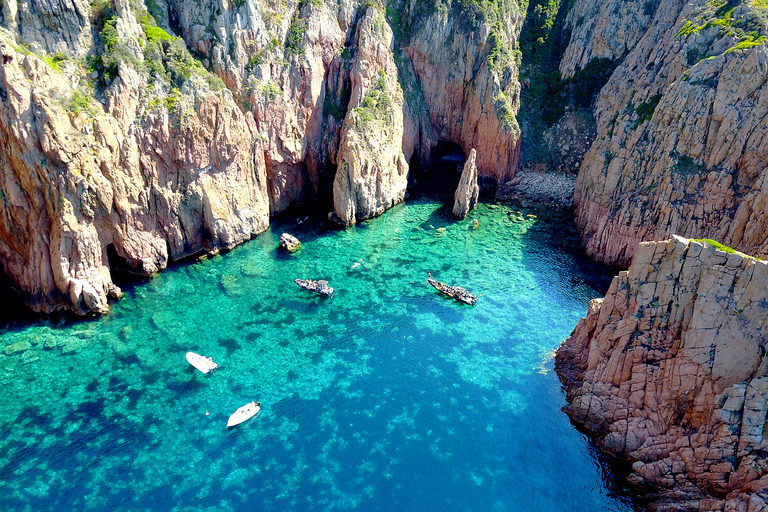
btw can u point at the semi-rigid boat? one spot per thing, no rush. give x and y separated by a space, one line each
320 287
202 363
456 292
244 413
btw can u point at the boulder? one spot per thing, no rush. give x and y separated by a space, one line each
289 242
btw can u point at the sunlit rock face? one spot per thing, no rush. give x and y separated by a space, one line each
154 184
681 131
669 372
465 197
154 132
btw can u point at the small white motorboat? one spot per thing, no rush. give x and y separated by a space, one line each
246 412
202 363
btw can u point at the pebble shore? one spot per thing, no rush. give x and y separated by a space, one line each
553 188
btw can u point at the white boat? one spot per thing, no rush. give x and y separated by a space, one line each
202 363
246 412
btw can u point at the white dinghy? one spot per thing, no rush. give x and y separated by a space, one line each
202 363
246 412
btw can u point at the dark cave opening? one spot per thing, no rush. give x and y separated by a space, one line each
121 272
440 176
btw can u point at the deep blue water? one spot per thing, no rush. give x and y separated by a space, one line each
388 396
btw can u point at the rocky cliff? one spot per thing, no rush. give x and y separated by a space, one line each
681 123
669 371
133 134
465 197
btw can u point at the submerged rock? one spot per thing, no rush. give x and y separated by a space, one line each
17 348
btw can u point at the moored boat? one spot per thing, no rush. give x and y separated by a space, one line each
244 413
312 285
202 363
455 292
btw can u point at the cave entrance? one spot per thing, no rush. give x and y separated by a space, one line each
122 274
440 176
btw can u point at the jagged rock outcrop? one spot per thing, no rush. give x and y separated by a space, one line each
153 183
669 372
137 153
372 171
465 197
681 126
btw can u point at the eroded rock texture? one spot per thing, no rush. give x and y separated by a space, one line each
669 372
157 186
372 171
465 197
157 130
681 125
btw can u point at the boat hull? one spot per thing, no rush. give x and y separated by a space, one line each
202 363
244 413
454 292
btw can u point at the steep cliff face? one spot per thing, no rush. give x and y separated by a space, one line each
372 171
681 125
152 131
50 27
468 77
155 183
293 69
669 371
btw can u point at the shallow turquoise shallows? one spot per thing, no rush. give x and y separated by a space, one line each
387 396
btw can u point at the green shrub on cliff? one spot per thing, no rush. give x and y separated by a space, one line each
645 110
717 245
376 106
155 33
294 40
81 101
167 57
54 61
749 29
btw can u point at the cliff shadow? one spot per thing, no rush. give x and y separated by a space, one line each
16 315
614 473
439 177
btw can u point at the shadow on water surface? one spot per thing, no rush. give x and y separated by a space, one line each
614 473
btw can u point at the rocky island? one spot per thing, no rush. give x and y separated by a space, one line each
135 134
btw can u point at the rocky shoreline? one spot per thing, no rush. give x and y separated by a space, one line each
552 188
668 372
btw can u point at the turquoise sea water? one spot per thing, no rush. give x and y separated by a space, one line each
387 396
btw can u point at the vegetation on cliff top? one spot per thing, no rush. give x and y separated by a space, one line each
717 245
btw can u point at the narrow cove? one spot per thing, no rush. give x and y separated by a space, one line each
388 396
